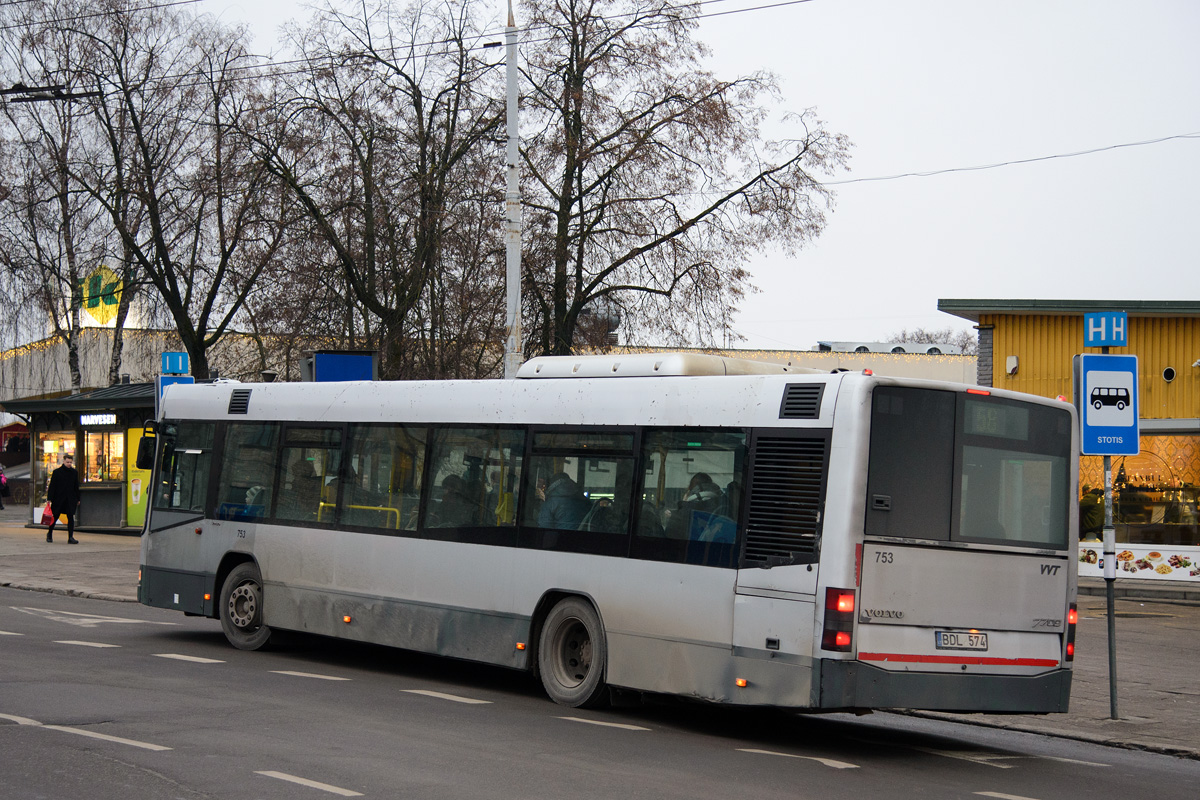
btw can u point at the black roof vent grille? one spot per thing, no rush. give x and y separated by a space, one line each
239 401
801 401
787 493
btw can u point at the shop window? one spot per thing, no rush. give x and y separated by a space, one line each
48 456
104 456
1155 493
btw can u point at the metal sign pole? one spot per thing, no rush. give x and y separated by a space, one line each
1106 394
1110 581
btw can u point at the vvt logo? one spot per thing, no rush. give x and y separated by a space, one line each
1051 569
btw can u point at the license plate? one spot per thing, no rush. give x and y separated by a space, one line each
960 640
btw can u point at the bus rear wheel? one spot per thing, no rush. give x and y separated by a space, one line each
572 654
242 607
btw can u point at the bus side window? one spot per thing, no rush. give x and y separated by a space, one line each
247 471
691 496
474 475
183 475
310 458
383 476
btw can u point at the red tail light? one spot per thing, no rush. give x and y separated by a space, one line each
838 632
1072 620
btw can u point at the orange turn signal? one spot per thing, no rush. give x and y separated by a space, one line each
346 619
741 683
520 645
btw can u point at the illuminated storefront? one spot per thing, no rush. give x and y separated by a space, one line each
1027 346
100 430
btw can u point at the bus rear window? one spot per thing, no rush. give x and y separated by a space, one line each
951 466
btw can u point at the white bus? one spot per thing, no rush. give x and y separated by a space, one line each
664 524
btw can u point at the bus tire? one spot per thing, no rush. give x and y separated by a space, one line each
242 608
572 654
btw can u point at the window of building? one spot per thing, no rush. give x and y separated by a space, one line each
48 456
1155 493
104 456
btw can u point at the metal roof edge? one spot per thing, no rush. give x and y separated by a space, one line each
972 309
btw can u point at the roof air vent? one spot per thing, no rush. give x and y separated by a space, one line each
801 401
239 401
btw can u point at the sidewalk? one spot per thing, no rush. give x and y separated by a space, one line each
1158 640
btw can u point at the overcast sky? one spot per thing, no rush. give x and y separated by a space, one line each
931 85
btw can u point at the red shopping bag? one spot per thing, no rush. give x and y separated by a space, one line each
47 515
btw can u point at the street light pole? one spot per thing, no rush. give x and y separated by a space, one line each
512 209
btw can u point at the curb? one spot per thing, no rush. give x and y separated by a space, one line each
1124 744
115 598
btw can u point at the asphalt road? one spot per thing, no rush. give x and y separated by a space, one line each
114 700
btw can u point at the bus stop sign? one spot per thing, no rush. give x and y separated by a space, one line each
1106 394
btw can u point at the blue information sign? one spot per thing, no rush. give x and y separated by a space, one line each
163 382
1106 394
174 363
1106 329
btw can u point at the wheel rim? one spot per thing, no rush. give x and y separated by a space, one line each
243 606
571 651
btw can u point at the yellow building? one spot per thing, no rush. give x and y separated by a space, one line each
1028 346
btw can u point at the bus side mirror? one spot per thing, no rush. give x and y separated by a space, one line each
146 447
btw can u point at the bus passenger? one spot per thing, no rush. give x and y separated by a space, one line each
565 505
702 495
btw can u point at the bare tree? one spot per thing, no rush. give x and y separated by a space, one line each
380 140
197 215
966 340
649 182
55 235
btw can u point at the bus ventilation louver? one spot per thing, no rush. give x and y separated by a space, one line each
239 401
801 401
783 521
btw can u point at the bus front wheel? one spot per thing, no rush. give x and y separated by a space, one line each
572 654
242 607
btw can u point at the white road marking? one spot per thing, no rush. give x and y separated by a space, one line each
443 696
83 620
10 633
308 675
87 644
107 738
1001 796
620 725
829 762
80 732
1071 761
325 787
195 659
976 757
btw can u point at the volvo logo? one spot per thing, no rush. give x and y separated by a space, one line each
882 613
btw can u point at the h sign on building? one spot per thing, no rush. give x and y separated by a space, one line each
1106 329
1106 394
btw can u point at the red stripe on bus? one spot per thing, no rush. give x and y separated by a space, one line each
982 661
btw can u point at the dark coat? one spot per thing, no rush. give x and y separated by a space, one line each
565 506
63 491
